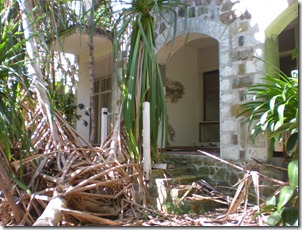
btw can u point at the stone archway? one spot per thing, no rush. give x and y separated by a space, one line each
239 29
191 76
201 30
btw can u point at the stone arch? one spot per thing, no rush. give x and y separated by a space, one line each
203 27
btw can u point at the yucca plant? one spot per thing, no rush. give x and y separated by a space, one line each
274 108
141 80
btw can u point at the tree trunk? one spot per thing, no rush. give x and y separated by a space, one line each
52 214
93 117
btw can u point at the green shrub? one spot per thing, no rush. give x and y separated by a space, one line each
274 108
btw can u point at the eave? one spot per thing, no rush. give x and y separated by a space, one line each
76 41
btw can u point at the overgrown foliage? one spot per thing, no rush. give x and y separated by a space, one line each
141 79
14 81
274 108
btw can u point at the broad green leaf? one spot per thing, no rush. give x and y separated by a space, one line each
293 173
292 143
285 195
267 208
290 216
281 113
274 218
272 103
271 201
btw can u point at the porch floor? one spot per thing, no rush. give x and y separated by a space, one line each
188 150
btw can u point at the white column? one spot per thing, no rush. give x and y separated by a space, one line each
104 124
146 141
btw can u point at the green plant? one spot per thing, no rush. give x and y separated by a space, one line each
141 80
179 209
274 107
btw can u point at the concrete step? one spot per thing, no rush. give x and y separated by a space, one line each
163 190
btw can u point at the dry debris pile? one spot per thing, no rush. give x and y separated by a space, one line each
68 184
59 182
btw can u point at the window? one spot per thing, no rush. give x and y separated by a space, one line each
209 125
103 98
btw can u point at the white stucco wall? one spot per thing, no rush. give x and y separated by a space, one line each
183 68
83 97
208 59
103 67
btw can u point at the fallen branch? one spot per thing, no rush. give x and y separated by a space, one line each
224 161
242 169
52 214
270 165
89 217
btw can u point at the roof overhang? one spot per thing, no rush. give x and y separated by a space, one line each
76 41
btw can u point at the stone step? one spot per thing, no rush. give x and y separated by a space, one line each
163 173
178 180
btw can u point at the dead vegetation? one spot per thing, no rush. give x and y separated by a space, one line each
76 185
70 183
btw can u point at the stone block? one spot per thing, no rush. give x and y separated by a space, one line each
202 11
254 66
242 82
228 17
214 11
241 95
234 139
219 175
235 110
198 2
234 179
243 26
178 191
245 15
241 69
205 171
241 55
225 84
227 6
252 167
257 153
230 153
162 27
218 2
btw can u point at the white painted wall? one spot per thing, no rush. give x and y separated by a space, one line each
183 115
103 67
83 97
208 59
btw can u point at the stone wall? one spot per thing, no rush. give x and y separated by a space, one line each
240 30
225 176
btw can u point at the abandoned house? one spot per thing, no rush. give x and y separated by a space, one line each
206 71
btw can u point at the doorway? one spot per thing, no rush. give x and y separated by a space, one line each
192 91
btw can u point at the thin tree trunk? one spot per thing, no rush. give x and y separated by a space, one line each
52 214
33 66
93 117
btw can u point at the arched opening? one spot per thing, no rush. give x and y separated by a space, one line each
191 75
